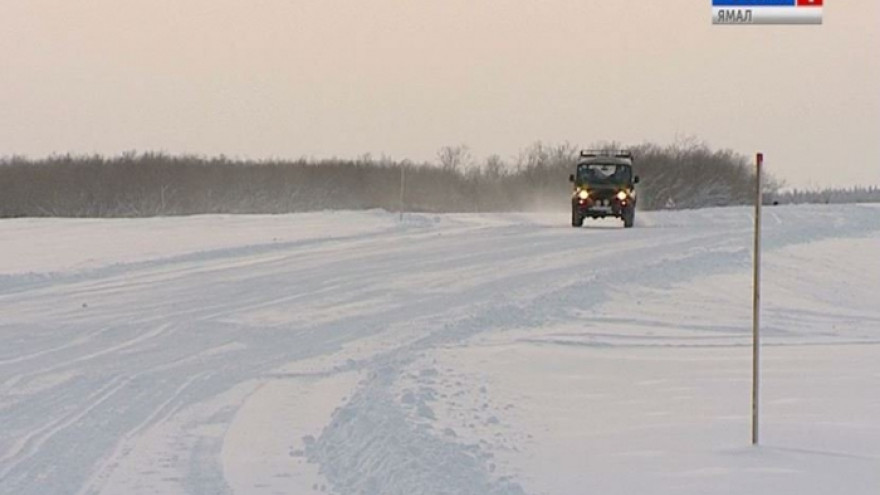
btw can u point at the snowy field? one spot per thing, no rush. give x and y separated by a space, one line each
349 353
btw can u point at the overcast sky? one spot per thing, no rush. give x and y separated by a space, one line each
322 78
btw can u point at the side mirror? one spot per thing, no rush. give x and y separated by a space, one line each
636 180
571 178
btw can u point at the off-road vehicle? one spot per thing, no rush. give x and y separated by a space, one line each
604 186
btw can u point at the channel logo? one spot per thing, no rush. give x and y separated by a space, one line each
739 12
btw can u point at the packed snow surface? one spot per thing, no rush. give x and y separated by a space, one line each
353 353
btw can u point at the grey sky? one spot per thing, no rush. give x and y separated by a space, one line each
321 78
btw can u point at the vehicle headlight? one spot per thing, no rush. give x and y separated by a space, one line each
621 195
583 194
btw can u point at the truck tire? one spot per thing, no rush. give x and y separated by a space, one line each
629 217
576 219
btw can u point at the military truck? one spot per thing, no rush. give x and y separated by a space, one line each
604 186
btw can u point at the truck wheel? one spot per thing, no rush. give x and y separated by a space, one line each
629 217
576 219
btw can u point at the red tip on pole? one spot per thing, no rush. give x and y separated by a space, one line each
760 157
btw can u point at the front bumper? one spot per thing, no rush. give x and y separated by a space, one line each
601 207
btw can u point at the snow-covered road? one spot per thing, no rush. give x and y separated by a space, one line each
349 353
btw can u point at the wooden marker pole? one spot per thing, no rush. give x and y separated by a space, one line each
756 302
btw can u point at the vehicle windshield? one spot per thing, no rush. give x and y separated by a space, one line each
604 173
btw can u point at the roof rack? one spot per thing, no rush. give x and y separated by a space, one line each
610 153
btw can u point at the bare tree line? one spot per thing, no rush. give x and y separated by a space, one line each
829 195
682 175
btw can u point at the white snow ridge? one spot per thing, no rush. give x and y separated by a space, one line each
349 353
